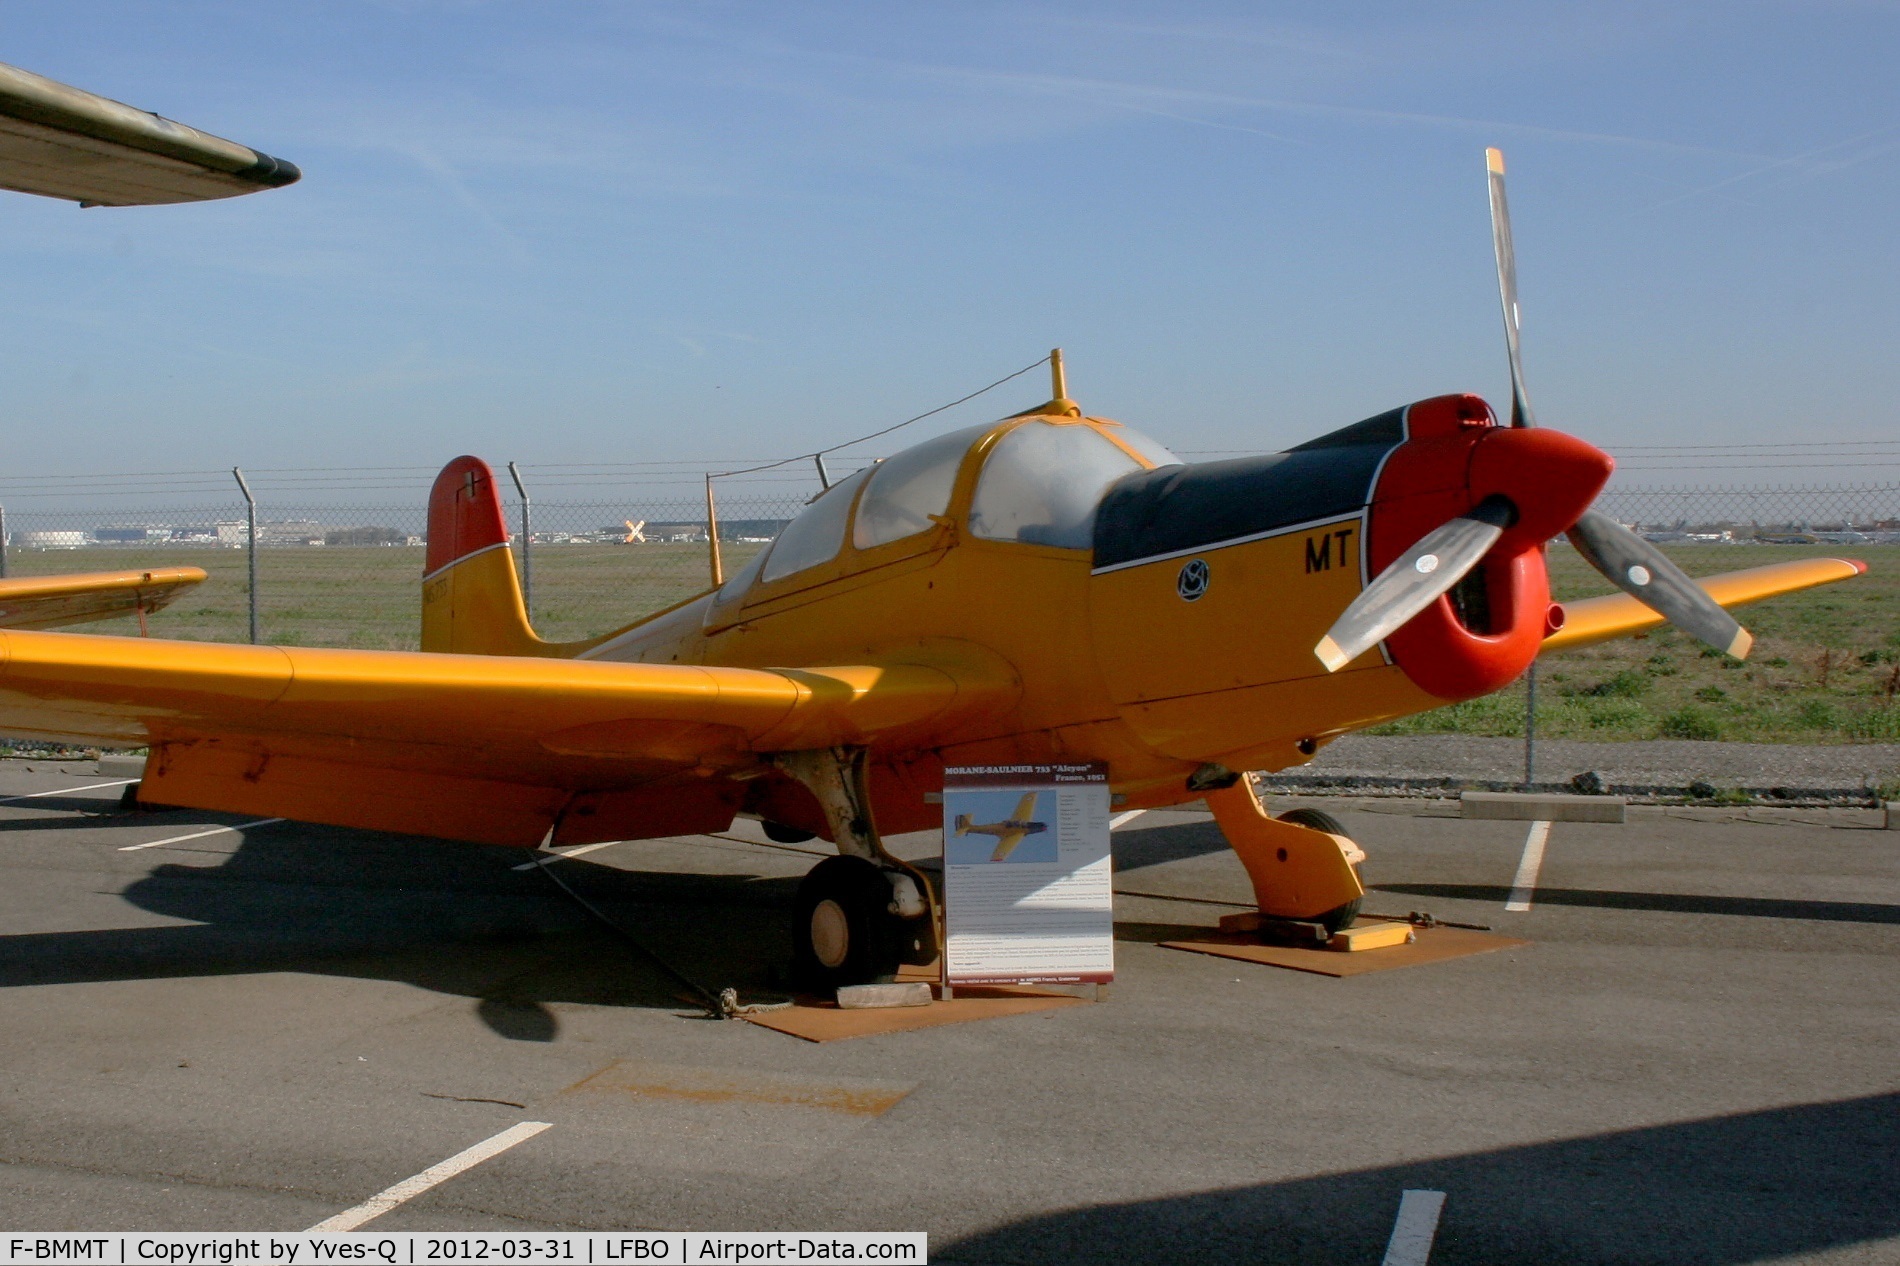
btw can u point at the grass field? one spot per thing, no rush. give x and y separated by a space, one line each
1826 665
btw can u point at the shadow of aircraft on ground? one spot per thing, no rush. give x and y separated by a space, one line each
1753 1187
453 918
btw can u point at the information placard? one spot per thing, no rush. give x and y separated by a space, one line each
1028 888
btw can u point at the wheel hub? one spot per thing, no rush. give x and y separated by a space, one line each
830 934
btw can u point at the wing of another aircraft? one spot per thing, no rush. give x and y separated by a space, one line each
40 602
473 747
1593 620
63 142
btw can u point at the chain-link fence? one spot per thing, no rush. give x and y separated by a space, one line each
341 571
343 574
1806 514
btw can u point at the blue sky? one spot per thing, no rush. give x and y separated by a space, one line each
629 232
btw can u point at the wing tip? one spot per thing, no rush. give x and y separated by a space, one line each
1330 655
1494 160
1741 644
1859 566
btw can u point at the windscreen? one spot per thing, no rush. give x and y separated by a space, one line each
817 534
906 490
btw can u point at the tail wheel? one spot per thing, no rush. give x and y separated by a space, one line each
1340 916
843 930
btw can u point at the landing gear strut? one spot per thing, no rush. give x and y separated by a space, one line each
863 914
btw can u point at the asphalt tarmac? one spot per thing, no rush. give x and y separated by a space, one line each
1695 1061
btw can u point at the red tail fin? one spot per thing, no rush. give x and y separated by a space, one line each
464 514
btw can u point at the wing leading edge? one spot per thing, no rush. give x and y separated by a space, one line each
63 142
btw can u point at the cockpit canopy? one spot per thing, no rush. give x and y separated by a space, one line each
1039 484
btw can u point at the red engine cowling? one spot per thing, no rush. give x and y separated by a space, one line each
1485 632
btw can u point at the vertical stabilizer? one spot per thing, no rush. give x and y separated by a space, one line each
471 597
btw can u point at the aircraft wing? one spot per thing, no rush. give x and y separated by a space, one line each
1025 806
40 602
1006 844
473 747
63 142
1593 620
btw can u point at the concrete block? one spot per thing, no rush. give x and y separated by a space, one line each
907 993
1893 815
119 765
1520 806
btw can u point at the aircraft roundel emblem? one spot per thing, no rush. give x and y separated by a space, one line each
1192 582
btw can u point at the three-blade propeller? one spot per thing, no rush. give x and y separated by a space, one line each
1445 555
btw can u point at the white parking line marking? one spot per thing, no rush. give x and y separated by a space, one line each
409 1188
1120 818
198 835
434 1175
571 852
1526 882
66 791
1417 1226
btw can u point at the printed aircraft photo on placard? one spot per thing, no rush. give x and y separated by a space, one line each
1008 833
1051 587
63 142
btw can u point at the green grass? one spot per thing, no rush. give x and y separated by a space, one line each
370 596
1825 668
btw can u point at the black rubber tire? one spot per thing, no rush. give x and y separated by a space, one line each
779 833
1318 820
865 942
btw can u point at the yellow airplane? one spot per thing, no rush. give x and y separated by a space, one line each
1009 832
63 142
1050 587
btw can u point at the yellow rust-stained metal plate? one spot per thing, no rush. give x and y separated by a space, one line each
1432 946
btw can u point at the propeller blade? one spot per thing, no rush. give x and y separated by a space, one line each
1507 285
1645 573
1439 560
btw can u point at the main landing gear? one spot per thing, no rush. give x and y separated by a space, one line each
865 913
1303 865
1339 916
848 928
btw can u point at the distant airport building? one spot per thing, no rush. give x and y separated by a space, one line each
60 539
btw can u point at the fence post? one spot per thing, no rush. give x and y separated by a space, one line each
250 536
527 545
1530 726
3 542
712 536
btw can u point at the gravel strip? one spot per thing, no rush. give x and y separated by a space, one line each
1665 768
